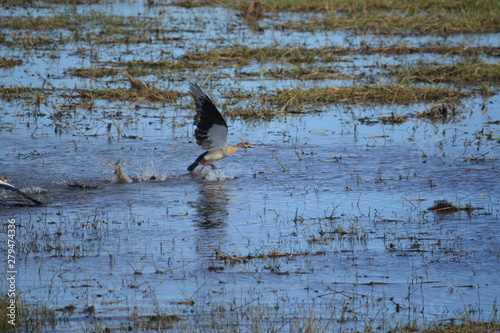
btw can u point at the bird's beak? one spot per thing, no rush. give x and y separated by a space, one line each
250 146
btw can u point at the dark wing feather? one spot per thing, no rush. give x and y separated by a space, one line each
211 128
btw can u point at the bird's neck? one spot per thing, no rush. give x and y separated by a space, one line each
230 150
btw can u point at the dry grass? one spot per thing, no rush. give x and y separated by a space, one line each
28 318
478 73
135 68
160 65
220 255
13 93
268 105
132 94
94 73
463 50
138 91
318 73
445 112
418 24
298 98
387 16
8 62
244 54
72 22
466 327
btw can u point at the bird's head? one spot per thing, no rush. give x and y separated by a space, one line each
244 144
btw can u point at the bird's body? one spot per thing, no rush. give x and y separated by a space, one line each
211 131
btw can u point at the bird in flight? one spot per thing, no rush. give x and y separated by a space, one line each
4 183
211 131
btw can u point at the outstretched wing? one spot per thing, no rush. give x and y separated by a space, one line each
7 186
211 128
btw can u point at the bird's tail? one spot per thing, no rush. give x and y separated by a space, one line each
193 166
197 162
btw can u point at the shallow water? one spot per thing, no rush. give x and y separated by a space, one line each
344 203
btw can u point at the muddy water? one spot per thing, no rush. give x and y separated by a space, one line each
343 202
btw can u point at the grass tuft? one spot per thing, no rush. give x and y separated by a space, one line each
28 318
442 17
243 54
297 98
466 73
9 63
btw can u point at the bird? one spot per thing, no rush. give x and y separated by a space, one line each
211 131
4 183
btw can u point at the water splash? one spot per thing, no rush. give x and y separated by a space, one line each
121 176
149 172
34 190
215 175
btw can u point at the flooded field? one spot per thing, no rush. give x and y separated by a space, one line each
370 202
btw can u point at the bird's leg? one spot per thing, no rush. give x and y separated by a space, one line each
211 164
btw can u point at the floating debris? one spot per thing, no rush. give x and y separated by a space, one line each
445 112
443 207
446 207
